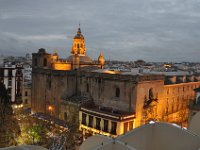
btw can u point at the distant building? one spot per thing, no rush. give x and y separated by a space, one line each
26 95
12 77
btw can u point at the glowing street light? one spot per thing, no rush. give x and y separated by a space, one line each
50 108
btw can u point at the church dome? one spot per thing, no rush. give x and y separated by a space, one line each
79 35
83 59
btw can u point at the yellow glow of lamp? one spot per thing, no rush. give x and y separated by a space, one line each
50 108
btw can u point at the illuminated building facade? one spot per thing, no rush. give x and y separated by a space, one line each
103 101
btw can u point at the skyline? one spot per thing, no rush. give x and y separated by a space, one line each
152 30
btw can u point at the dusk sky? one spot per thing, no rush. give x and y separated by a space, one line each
153 30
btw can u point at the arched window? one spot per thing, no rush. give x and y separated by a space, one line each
65 116
78 46
151 96
117 92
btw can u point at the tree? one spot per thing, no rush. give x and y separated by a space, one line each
9 128
36 132
5 108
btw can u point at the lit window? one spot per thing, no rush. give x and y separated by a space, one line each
130 125
125 127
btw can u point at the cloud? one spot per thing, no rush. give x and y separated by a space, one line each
154 30
36 37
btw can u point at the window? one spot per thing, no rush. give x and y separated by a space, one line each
167 106
172 104
90 121
167 91
9 82
113 128
18 72
10 73
9 91
1 72
49 82
84 119
1 80
130 125
45 62
117 92
99 80
35 62
26 101
98 125
125 127
87 87
65 116
198 101
78 46
26 93
105 127
151 95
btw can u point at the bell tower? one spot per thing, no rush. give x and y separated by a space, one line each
78 46
101 60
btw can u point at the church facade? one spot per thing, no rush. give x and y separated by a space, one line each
107 102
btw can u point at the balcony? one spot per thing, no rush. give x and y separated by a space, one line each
107 112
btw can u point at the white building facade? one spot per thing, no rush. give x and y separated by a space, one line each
12 77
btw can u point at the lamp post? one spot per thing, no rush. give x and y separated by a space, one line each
50 108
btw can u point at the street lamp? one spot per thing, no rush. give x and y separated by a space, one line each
50 108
